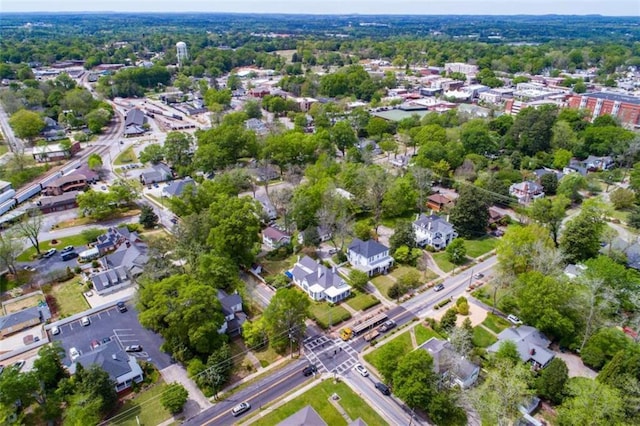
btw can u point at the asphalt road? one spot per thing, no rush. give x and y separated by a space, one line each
258 395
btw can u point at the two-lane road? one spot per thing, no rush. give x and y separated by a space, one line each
258 394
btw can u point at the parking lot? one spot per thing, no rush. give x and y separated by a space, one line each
123 327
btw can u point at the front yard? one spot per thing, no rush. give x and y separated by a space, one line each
318 398
482 338
495 323
382 283
480 246
326 315
424 333
402 344
143 409
362 301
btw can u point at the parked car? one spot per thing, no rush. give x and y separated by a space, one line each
309 370
94 344
439 287
74 354
85 321
69 255
243 407
360 369
106 340
478 276
384 389
49 253
29 268
55 330
386 326
18 364
67 249
514 319
121 307
133 348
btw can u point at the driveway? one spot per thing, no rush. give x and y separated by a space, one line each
197 401
575 365
124 328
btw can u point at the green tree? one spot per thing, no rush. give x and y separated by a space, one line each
97 119
448 320
622 198
285 317
400 198
552 381
178 148
173 398
457 252
358 279
214 98
590 402
550 213
470 216
29 227
414 379
255 334
581 237
388 358
561 158
253 109
403 235
517 250
95 383
343 136
10 249
83 410
148 218
476 139
26 124
549 183
570 185
94 161
153 153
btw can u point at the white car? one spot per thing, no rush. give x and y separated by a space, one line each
240 408
74 354
55 330
514 319
360 369
85 321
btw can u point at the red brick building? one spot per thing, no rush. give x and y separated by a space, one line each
624 107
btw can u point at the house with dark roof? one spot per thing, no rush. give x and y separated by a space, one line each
134 123
547 171
132 256
234 316
526 191
177 187
157 173
52 130
631 249
18 321
433 231
439 202
122 368
318 281
369 256
533 346
453 368
267 207
110 280
58 203
307 416
275 238
72 182
324 234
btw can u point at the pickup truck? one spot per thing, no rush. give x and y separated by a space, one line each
371 335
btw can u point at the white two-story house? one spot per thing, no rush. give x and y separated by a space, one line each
318 281
433 231
369 256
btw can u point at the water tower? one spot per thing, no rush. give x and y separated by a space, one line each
181 52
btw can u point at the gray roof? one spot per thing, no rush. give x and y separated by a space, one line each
305 417
616 97
109 357
368 249
135 117
315 273
228 301
20 317
176 187
438 224
531 344
133 258
109 278
446 359
56 200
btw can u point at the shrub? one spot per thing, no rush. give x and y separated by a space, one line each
174 397
463 308
448 321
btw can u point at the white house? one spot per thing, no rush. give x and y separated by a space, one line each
274 238
234 316
449 365
369 256
526 191
433 231
318 281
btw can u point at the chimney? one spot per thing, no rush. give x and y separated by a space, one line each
532 351
114 357
447 218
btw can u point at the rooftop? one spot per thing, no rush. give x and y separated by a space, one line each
616 97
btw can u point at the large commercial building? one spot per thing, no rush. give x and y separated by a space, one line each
624 107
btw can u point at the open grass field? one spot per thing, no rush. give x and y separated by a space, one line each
442 260
127 156
476 248
318 398
69 297
362 301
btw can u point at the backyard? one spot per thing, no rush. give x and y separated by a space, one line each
318 398
27 302
68 297
482 337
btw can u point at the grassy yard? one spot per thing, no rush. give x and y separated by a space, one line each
362 301
145 406
28 302
442 260
495 323
404 345
274 267
476 248
69 298
424 333
318 398
401 270
127 156
327 316
3 149
30 253
482 338
383 284
621 215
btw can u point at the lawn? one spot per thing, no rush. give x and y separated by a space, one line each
495 323
403 341
362 301
327 316
126 157
69 298
476 248
424 333
145 407
401 270
442 260
383 284
30 253
482 338
28 302
274 267
3 149
318 398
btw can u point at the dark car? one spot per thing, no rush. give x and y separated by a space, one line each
439 287
69 255
106 340
121 307
384 389
309 370
388 325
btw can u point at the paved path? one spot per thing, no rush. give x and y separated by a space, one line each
197 401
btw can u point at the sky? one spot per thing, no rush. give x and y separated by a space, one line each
408 7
